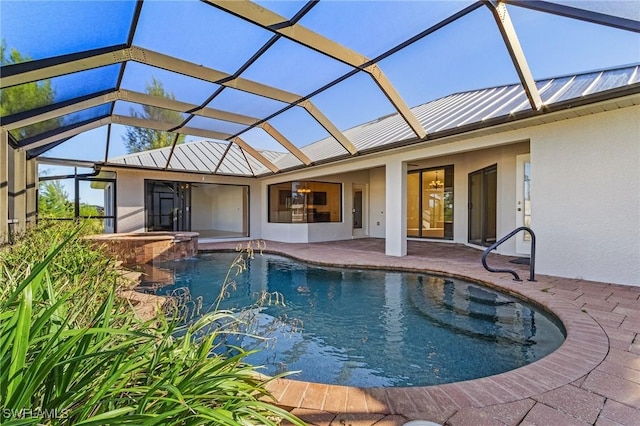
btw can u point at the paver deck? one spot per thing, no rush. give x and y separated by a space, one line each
592 379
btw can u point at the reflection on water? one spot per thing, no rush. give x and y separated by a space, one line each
373 328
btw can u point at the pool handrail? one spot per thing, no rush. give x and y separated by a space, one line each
532 260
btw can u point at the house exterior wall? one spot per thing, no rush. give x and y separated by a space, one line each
586 197
576 163
463 164
585 191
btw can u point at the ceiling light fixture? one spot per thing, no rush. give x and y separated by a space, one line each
436 184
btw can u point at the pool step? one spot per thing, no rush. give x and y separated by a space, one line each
475 310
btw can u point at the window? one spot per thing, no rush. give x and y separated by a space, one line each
430 203
305 202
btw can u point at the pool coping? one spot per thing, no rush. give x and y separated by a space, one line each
585 347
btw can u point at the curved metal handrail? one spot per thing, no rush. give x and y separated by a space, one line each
532 261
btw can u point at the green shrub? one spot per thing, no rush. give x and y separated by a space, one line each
71 352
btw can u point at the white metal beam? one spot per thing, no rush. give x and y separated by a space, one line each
579 13
508 32
398 102
69 133
329 127
265 18
255 154
169 63
64 67
286 143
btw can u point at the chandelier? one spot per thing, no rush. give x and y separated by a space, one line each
436 184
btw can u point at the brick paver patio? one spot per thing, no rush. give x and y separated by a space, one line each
593 378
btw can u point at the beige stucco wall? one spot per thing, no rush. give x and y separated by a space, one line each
586 194
585 191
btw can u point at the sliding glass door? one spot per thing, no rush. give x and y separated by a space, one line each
168 206
483 187
430 203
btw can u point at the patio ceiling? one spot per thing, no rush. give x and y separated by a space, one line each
266 80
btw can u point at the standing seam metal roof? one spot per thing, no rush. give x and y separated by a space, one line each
449 112
99 69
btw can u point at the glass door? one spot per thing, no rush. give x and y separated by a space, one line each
168 206
357 209
523 202
359 212
430 203
432 224
483 190
413 204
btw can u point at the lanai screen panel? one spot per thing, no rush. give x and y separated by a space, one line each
63 88
292 67
240 102
46 29
74 118
452 60
135 110
88 146
355 101
224 42
140 77
374 27
590 46
215 125
296 84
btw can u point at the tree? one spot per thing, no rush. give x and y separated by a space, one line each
26 96
142 139
53 200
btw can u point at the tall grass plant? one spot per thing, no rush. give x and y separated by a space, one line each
72 352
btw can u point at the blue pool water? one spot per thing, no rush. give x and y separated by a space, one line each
373 328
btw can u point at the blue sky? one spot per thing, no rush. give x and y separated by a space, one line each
468 54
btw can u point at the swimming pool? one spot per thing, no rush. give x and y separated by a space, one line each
370 328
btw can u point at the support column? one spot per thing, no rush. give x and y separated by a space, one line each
4 185
17 190
396 208
32 186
